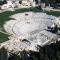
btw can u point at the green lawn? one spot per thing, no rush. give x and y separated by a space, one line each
54 13
3 37
4 16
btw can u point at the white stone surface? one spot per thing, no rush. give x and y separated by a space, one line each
16 4
30 26
8 5
58 21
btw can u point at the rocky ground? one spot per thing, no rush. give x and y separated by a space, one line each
29 30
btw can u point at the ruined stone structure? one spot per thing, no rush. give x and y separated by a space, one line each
18 4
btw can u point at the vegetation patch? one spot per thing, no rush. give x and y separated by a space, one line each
54 13
3 37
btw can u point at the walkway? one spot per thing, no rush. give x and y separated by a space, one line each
4 32
50 9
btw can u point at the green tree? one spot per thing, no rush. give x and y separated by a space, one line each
3 54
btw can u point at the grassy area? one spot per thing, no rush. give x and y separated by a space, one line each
3 37
54 13
4 16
